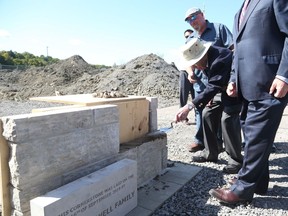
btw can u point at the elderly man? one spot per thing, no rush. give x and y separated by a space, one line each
215 62
208 133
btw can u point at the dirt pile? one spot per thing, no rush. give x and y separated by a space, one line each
147 75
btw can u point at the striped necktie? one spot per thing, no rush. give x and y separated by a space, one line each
243 11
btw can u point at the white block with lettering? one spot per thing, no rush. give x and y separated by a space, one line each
110 191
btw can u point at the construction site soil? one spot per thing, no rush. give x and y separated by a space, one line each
147 75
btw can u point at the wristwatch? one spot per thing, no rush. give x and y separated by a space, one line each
190 106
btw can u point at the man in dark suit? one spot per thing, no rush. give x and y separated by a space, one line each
260 78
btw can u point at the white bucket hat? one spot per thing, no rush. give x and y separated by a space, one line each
193 51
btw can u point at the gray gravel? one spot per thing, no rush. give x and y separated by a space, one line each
8 107
193 198
22 107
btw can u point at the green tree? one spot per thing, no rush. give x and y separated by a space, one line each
26 58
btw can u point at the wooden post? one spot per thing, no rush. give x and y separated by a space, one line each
4 174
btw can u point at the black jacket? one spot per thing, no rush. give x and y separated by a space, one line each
218 73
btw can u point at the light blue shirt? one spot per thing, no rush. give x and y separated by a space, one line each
221 36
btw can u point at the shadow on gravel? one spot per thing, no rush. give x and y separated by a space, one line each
192 198
279 164
281 147
280 179
268 202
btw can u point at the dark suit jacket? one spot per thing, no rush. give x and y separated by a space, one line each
218 73
261 48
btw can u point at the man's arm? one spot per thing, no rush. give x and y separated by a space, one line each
279 87
226 36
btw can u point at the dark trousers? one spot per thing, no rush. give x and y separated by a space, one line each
186 88
260 121
198 137
211 118
231 131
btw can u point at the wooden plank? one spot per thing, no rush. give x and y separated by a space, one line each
85 99
47 109
4 175
133 119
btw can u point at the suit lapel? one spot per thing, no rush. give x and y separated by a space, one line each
236 21
250 9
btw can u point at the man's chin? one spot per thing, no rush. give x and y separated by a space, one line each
196 28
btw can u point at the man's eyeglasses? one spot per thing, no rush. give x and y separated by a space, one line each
192 18
186 36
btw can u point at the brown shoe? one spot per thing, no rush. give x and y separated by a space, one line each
227 196
194 147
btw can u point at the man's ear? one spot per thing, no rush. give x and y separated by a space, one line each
204 58
202 14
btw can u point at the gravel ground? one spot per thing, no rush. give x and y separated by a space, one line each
14 108
193 198
8 107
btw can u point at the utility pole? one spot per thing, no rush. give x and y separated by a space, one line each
204 7
47 51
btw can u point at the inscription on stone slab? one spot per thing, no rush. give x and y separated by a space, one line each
111 191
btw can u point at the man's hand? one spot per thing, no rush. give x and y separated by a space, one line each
231 90
278 88
182 114
190 71
209 104
191 78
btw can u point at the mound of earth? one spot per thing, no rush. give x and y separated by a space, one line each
147 75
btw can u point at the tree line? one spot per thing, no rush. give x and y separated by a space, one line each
28 59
